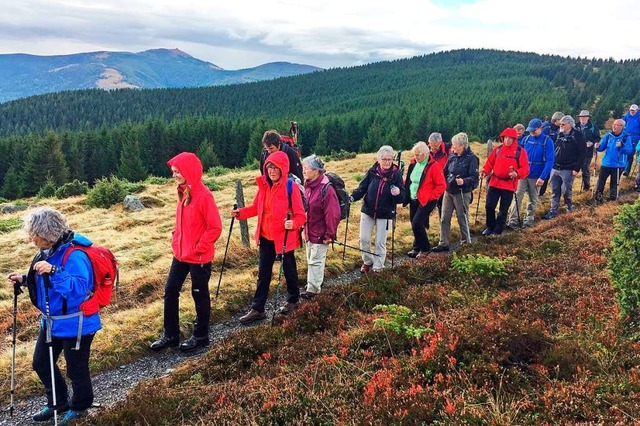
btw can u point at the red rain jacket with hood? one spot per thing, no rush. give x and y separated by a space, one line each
275 195
198 223
502 159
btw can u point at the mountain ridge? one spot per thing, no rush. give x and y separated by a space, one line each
23 75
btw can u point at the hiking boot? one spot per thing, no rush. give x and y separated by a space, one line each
307 295
71 415
571 208
46 414
194 343
440 249
288 308
165 342
625 173
413 253
252 316
423 253
365 268
550 215
512 226
487 232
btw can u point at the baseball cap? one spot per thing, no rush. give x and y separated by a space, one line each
534 124
633 107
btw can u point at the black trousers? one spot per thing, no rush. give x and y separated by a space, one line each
419 216
77 370
200 274
611 173
267 257
496 224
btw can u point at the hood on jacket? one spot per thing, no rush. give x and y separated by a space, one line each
189 166
280 160
509 132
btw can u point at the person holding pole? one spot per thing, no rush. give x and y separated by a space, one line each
461 173
58 290
198 227
276 197
617 146
382 189
424 186
323 217
541 155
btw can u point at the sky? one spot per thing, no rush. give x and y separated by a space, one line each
235 34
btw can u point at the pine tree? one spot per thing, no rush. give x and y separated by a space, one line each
11 184
207 155
321 143
131 167
44 160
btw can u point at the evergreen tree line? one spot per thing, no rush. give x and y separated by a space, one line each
354 109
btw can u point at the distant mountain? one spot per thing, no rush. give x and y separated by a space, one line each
23 75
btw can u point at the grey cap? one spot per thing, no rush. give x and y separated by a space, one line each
584 113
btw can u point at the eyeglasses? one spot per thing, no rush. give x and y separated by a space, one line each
272 167
386 160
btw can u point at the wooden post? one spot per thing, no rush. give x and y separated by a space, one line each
244 227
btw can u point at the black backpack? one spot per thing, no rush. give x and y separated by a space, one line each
343 197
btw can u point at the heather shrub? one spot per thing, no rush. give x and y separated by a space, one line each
624 261
472 266
400 320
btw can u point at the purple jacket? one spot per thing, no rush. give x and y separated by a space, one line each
324 212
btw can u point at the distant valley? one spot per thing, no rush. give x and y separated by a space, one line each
23 75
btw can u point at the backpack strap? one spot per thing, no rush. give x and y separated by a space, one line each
289 190
323 191
517 157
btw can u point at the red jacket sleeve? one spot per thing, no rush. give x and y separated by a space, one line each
213 225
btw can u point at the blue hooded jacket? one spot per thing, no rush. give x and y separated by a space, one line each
541 155
614 156
71 282
632 125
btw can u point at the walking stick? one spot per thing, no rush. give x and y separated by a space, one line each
224 258
515 196
345 246
48 324
346 230
618 183
16 292
395 212
284 247
478 205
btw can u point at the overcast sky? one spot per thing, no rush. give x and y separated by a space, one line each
237 34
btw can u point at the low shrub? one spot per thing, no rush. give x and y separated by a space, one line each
471 266
72 189
157 180
107 192
48 190
400 320
9 225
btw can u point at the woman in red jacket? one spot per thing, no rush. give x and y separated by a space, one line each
424 185
198 227
275 232
506 164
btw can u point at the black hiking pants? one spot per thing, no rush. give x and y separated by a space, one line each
267 257
504 196
200 274
419 216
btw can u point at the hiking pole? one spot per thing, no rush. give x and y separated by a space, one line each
224 258
345 246
346 230
478 205
618 183
395 212
16 292
515 197
284 247
48 324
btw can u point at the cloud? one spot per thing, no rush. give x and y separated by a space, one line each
326 33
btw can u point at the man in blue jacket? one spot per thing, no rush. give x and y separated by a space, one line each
632 128
541 155
618 147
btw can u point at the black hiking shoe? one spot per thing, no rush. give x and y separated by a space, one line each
413 253
165 342
194 343
487 232
440 249
307 295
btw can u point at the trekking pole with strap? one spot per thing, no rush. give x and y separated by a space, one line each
284 248
16 292
515 197
346 229
48 323
224 258
465 213
345 246
478 205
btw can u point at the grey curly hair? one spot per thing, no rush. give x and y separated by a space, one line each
46 223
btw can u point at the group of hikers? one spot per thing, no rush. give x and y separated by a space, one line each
297 203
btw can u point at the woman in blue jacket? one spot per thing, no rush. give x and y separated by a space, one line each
58 290
617 146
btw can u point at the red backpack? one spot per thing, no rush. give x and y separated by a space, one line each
291 142
105 276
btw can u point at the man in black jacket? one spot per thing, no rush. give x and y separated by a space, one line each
570 149
272 143
591 136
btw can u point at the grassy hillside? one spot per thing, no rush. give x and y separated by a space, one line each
540 344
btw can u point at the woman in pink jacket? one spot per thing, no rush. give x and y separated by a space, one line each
198 227
276 234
